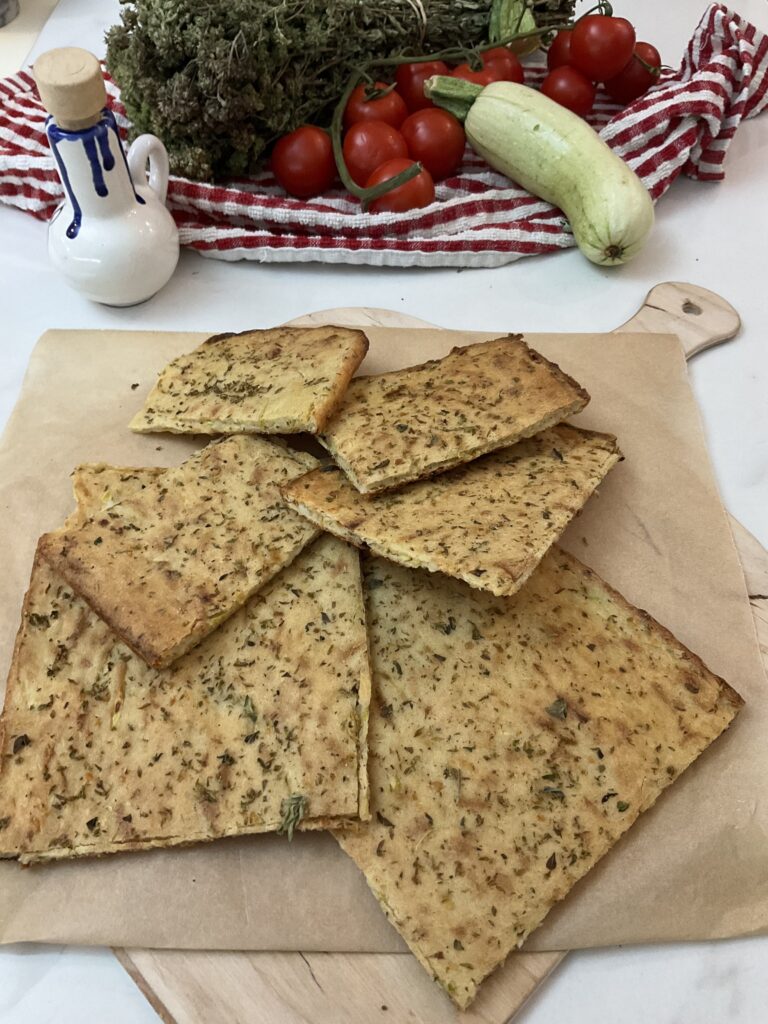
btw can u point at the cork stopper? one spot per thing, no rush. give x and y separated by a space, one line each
71 87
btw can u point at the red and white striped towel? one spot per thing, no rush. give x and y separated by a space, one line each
684 124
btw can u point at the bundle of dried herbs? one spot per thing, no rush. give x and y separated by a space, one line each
219 80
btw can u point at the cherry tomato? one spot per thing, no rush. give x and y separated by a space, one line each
503 61
635 79
559 52
601 46
483 77
419 191
390 108
570 89
303 162
436 139
369 144
410 79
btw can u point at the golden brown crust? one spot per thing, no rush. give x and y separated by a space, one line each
728 693
166 566
409 424
488 523
512 742
95 485
279 381
100 753
11 682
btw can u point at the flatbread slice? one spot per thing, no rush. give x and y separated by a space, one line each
261 727
96 485
488 523
281 381
166 566
401 426
512 742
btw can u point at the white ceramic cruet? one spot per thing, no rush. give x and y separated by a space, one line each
112 238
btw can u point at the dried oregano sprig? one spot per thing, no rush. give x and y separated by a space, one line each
220 80
292 810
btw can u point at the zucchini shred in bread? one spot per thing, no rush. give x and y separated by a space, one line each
512 742
280 381
489 522
166 566
263 724
401 426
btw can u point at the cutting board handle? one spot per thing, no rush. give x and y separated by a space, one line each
699 317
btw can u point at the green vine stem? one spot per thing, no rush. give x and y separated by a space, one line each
365 195
453 54
601 7
650 68
459 54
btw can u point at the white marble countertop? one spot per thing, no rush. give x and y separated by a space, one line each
714 235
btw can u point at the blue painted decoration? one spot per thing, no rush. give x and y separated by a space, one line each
96 143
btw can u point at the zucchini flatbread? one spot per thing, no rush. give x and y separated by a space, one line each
280 381
513 741
165 566
401 426
261 728
488 523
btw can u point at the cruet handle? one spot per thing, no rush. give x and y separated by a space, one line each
147 153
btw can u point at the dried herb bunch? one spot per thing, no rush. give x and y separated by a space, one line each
219 80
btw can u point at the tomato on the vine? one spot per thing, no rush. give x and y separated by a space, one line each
390 107
497 65
483 77
419 191
303 163
410 79
635 79
369 144
601 46
559 53
436 139
505 63
569 88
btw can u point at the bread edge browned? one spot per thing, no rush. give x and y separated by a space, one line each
312 425
579 403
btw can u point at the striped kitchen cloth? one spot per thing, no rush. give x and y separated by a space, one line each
479 219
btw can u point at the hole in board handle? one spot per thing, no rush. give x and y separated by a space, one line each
691 308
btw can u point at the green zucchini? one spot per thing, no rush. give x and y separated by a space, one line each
557 156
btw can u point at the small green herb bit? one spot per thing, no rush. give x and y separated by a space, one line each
559 709
249 710
292 810
205 792
554 792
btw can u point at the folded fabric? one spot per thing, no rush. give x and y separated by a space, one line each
683 125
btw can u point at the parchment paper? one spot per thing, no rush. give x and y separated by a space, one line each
694 867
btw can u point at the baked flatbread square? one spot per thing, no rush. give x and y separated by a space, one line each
280 381
488 523
164 567
512 742
401 426
97 485
261 728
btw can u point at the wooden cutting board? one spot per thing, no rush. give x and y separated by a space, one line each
197 987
